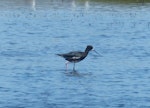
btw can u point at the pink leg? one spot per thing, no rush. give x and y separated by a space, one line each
67 65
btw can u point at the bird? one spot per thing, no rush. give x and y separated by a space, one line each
76 56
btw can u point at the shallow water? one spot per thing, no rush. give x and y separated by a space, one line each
32 76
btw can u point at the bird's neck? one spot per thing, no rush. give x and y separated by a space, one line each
86 52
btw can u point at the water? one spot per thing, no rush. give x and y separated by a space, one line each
32 76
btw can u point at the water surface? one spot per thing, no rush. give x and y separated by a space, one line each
33 31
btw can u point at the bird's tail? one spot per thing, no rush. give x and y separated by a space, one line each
59 55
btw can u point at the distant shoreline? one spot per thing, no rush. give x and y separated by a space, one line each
118 1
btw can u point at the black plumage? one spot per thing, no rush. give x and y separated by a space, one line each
76 56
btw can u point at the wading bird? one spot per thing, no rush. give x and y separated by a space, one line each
76 56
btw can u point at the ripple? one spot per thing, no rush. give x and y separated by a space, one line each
18 53
77 74
31 76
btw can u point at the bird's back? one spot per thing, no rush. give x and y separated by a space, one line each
73 56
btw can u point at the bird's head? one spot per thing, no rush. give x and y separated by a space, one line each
88 48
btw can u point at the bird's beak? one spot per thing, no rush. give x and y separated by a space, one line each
96 52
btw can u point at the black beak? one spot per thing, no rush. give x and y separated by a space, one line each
97 52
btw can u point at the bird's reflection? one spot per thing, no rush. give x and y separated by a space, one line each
72 73
31 3
75 73
73 4
86 4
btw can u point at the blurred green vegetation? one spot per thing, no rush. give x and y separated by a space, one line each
119 1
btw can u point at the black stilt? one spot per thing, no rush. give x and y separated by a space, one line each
74 66
76 56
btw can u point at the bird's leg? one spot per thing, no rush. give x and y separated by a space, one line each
67 65
74 66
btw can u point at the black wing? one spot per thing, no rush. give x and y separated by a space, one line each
74 54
